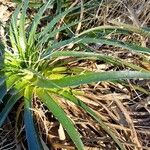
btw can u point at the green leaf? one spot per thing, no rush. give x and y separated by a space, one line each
141 31
105 58
22 32
89 78
9 105
2 52
12 39
50 26
84 40
11 81
13 29
81 104
57 45
61 116
120 26
3 88
31 133
129 46
3 91
31 4
18 87
15 94
100 28
6 86
52 34
59 5
36 22
2 79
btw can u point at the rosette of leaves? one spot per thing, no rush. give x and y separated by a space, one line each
30 66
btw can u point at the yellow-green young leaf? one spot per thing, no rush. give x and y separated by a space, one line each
28 75
61 116
56 76
59 69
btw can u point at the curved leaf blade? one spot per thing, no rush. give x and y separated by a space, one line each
128 46
9 105
15 95
81 104
141 31
105 58
83 40
61 116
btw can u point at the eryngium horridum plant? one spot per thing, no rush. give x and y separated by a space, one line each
30 67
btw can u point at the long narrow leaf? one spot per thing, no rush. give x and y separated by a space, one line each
55 31
15 94
120 26
129 46
3 91
132 28
84 40
11 102
99 28
22 33
62 118
2 79
36 22
2 52
6 86
89 78
31 133
2 74
56 19
12 39
61 44
105 58
14 36
78 102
